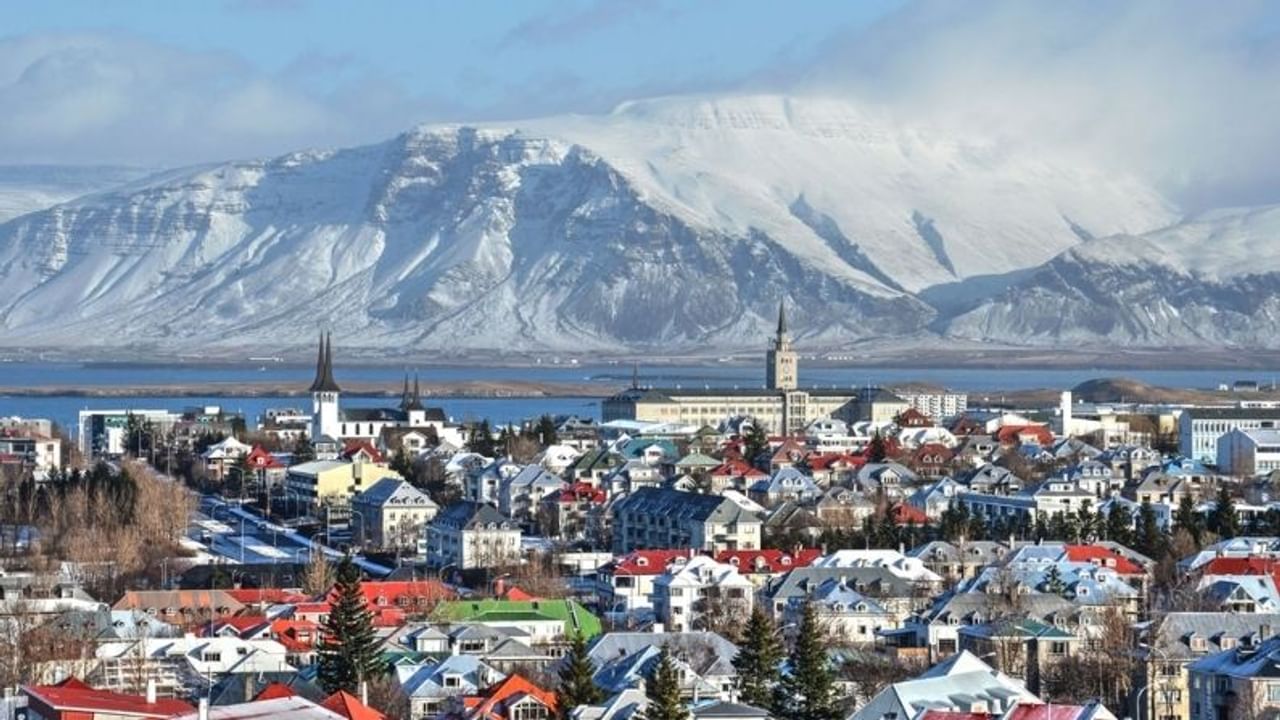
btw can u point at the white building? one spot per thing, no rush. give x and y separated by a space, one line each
911 569
391 513
937 405
469 535
701 591
1249 452
102 432
182 665
1200 428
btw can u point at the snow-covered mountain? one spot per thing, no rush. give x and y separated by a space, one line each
1213 279
28 188
675 224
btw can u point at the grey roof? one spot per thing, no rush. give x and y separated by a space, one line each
684 506
1262 661
979 606
721 709
1176 630
395 491
973 552
468 515
802 581
1232 413
707 653
373 415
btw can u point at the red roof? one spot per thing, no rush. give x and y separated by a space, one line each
904 514
491 703
275 596
350 707
825 461
736 467
646 562
1056 711
954 715
244 625
71 694
1105 557
275 690
1243 566
1018 433
260 459
354 447
770 561
401 593
581 492
516 594
296 635
912 417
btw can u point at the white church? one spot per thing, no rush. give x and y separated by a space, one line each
332 424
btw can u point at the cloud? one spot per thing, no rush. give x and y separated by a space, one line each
106 98
568 26
1183 93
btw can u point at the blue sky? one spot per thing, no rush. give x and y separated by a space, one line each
1182 92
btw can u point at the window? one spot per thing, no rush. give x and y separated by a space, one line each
1057 648
1273 692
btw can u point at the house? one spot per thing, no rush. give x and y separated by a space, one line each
520 495
1020 647
702 594
542 621
788 484
185 665
633 670
1238 682
573 511
938 628
392 514
625 585
513 698
844 507
72 699
932 460
760 566
222 455
428 686
935 498
469 534
181 607
961 560
844 613
269 471
660 518
733 473
962 683
1181 638
900 596
706 655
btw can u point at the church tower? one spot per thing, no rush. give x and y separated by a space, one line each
780 364
324 394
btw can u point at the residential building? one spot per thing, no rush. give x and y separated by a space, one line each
935 404
322 481
428 686
1240 682
661 518
72 699
391 513
961 683
1024 648
702 594
625 585
469 534
1249 452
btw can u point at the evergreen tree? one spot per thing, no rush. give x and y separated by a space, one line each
547 431
1119 525
755 442
1223 519
1053 581
1041 529
349 651
977 526
481 439
576 686
808 691
303 450
1186 518
662 690
876 450
758 658
1147 538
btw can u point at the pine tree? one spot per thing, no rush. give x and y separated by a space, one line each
1147 538
1120 525
576 686
662 690
349 652
754 442
759 655
1186 518
1053 581
876 450
303 450
808 690
1223 519
481 439
547 431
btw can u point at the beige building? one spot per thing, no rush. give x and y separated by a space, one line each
781 406
392 514
333 480
469 535
1183 638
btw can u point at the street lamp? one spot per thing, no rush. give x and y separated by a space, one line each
353 511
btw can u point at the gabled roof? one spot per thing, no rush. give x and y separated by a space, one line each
769 561
493 701
646 562
350 707
72 695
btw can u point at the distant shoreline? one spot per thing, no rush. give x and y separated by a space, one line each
478 389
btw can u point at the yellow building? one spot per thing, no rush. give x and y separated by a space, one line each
333 480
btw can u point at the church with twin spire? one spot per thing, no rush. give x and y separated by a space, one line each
781 406
330 421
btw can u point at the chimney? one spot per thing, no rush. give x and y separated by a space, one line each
202 710
151 691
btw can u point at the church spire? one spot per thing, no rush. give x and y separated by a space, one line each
324 381
415 400
782 318
404 394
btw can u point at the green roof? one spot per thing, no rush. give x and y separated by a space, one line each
575 617
697 460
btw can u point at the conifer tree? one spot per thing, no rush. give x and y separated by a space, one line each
349 650
1053 581
547 431
662 690
1119 525
754 442
807 692
759 655
1223 519
1186 518
576 684
303 450
876 450
1148 539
